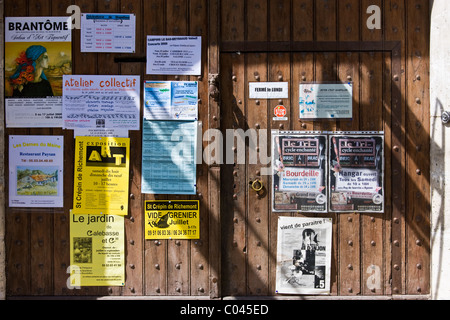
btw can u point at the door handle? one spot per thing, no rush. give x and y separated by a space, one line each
257 185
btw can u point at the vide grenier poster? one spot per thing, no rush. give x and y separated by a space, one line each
172 219
97 250
38 52
356 172
303 255
101 175
36 171
299 172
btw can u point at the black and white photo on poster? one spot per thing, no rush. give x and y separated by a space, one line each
303 255
299 172
356 172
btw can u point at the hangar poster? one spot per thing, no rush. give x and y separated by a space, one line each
38 52
97 250
356 173
299 172
101 175
172 219
36 171
303 255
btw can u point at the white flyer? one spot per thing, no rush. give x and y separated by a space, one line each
36 174
98 101
106 32
174 55
304 255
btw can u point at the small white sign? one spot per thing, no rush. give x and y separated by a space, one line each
174 55
269 90
106 32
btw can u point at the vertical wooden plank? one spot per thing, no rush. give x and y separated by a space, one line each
134 240
214 173
348 20
325 20
199 274
60 236
41 245
366 33
388 172
256 26
395 26
302 72
349 223
18 222
178 252
155 255
418 149
232 20
279 20
303 20
349 238
257 203
372 224
233 177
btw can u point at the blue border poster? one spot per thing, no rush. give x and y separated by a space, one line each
169 157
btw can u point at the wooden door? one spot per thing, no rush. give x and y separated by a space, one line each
323 41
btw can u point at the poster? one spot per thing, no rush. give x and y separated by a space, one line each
171 100
36 171
169 157
172 219
304 255
101 102
357 172
299 172
38 52
106 32
326 100
97 250
174 55
101 175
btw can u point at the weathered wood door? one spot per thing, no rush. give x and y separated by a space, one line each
245 41
327 41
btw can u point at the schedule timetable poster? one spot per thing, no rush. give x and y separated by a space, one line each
38 52
169 157
299 172
356 172
36 172
97 101
174 55
97 250
106 32
101 176
171 100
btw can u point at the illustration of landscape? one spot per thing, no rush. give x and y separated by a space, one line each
37 181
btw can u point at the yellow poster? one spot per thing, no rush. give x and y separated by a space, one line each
172 219
97 250
101 175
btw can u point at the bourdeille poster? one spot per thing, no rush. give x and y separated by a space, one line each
356 173
172 219
36 171
101 175
299 172
304 255
97 250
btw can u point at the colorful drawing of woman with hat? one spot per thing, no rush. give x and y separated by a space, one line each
29 80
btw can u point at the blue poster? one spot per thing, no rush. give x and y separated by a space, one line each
169 157
171 100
